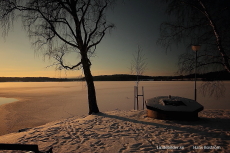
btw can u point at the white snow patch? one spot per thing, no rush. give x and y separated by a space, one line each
128 131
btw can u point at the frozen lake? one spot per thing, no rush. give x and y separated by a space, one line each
110 94
39 103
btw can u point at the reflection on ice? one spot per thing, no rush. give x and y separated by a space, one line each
6 100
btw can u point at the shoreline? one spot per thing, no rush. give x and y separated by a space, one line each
40 103
54 113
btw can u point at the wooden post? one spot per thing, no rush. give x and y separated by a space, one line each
143 96
137 99
136 95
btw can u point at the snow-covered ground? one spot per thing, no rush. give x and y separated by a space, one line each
130 131
65 103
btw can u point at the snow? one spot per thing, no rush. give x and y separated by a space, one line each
56 113
129 131
158 102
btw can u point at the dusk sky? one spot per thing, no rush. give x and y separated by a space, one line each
137 23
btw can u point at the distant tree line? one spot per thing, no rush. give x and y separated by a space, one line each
211 76
33 79
120 77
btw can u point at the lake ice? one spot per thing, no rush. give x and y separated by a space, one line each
42 102
110 94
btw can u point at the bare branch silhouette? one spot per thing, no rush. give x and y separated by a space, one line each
60 27
138 64
199 22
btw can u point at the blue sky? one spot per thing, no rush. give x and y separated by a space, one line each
137 23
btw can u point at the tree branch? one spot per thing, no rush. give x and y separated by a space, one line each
53 29
103 33
96 26
60 60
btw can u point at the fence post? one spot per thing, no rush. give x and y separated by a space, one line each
143 96
136 95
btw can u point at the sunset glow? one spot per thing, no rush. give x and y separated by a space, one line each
134 26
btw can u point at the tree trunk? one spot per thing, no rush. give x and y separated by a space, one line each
93 108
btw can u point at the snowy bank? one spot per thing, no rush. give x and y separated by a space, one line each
130 131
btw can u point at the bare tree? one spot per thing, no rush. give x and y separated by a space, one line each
204 22
138 63
59 27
